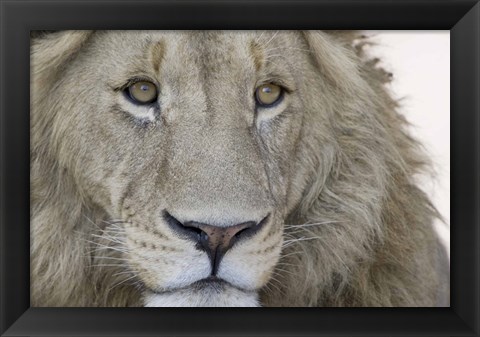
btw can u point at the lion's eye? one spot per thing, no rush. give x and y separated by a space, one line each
142 92
268 94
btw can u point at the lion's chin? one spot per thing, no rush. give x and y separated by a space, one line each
202 295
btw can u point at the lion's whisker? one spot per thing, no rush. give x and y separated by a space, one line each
108 238
116 225
290 242
92 222
290 254
273 281
100 246
111 258
107 265
116 285
311 224
285 271
286 264
115 221
124 272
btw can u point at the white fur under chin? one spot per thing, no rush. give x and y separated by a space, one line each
229 297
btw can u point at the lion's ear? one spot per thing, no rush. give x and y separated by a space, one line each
337 62
49 50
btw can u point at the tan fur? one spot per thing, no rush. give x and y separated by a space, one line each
332 165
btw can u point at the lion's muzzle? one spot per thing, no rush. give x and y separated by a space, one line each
214 240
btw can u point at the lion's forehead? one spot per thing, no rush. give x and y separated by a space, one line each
204 55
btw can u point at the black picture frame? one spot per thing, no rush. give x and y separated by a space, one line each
18 17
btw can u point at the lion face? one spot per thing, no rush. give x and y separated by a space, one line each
189 140
222 169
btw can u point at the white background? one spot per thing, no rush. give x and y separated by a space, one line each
420 62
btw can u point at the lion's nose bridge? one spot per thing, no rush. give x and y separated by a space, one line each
219 172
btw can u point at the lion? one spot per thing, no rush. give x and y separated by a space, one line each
224 168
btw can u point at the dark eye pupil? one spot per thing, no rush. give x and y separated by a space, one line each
144 87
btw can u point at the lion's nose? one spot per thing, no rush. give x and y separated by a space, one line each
214 240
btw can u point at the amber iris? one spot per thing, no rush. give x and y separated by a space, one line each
143 92
268 94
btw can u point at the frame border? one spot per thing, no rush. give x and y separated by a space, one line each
18 17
